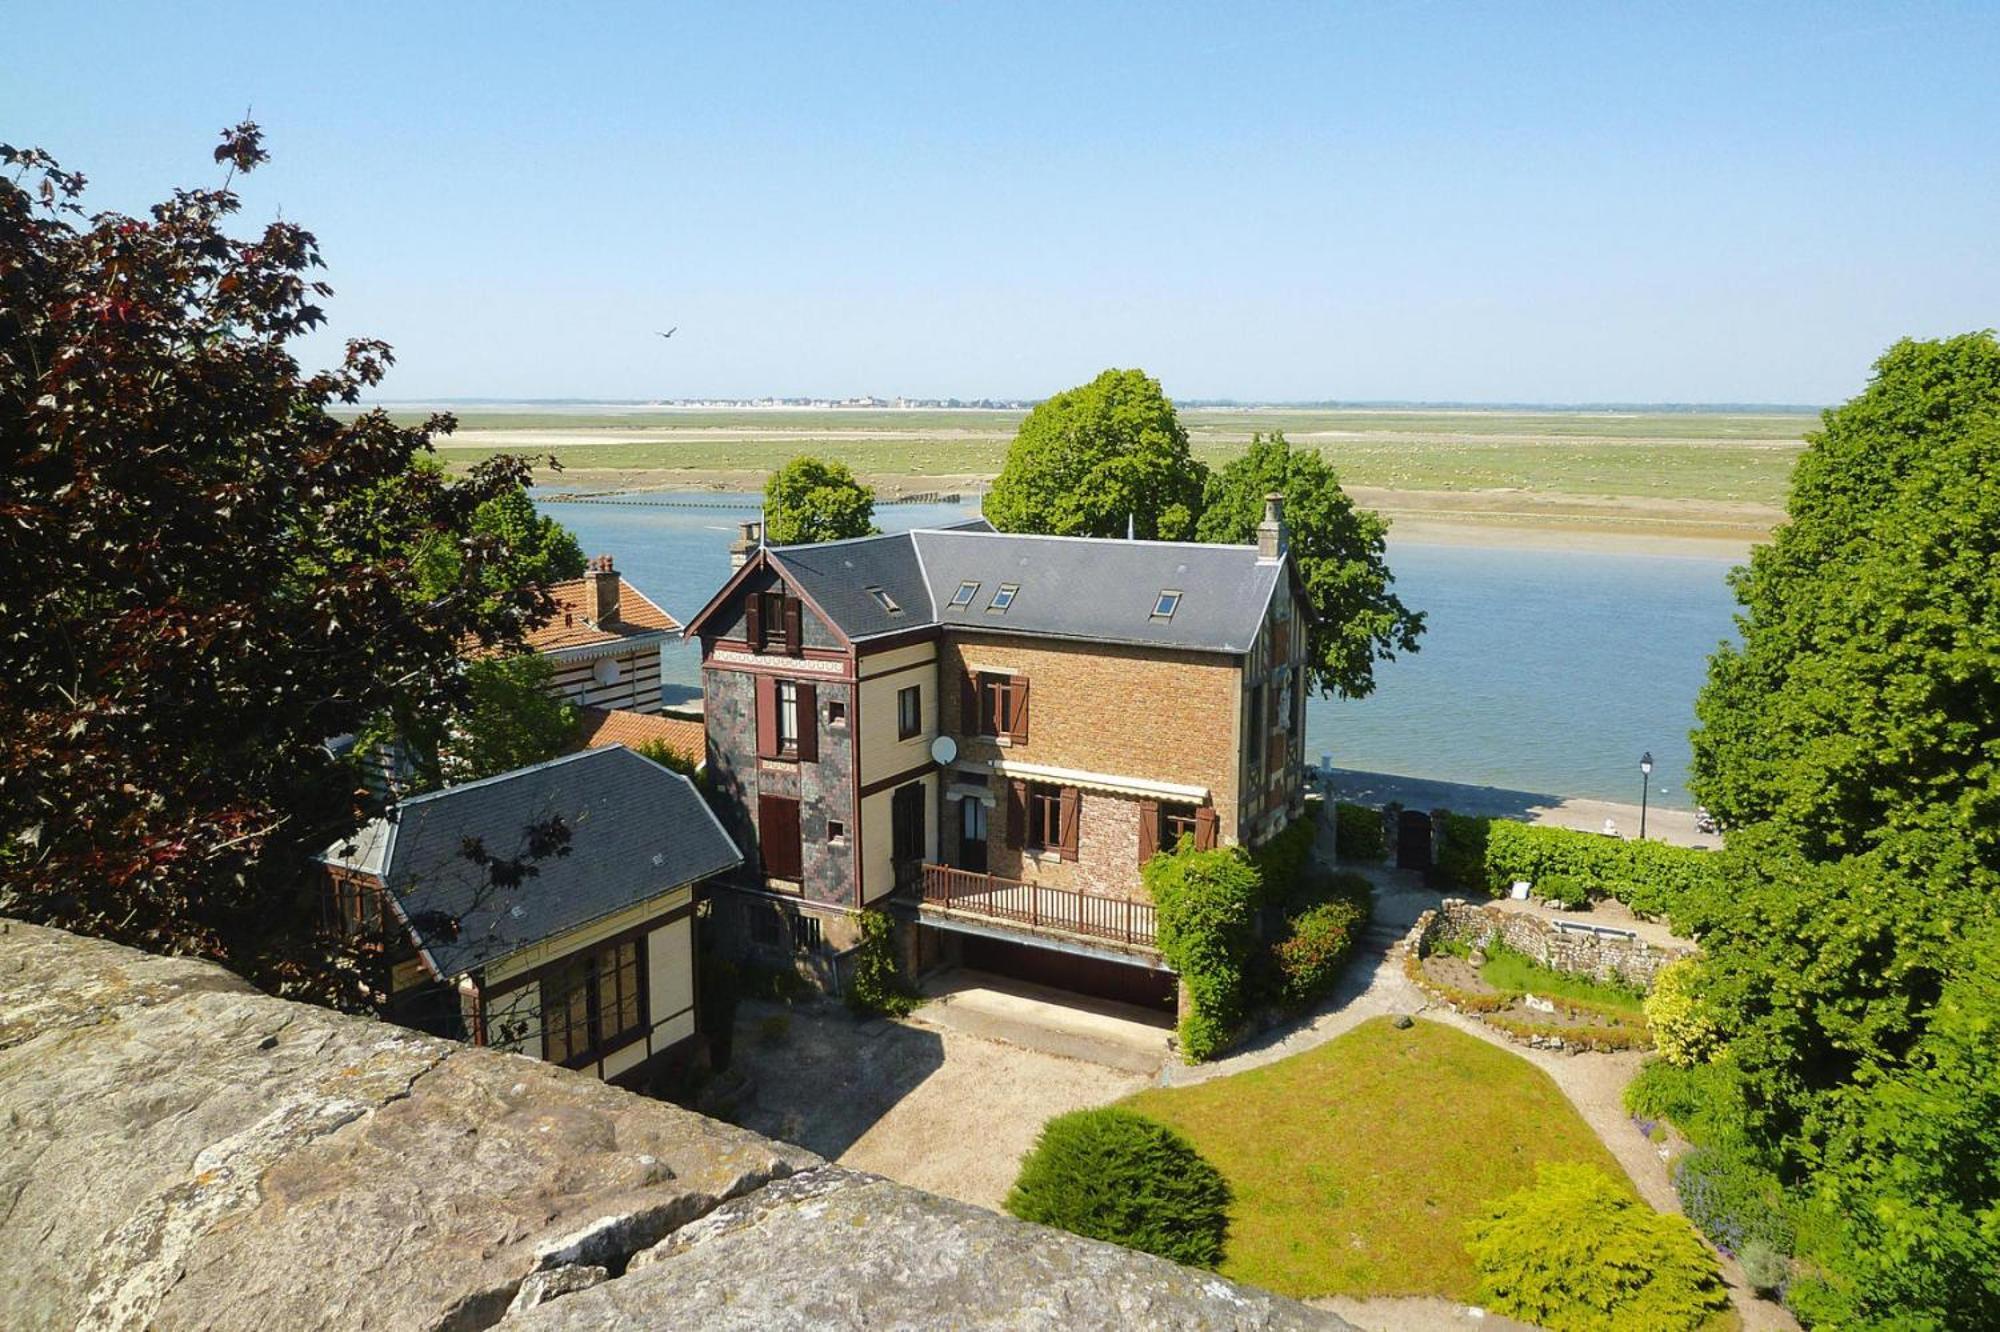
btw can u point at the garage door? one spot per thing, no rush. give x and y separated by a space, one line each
1066 971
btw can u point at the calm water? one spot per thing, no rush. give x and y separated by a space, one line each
1541 670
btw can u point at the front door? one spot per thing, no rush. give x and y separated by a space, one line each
906 832
972 834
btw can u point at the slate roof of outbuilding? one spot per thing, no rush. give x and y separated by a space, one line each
637 831
1094 589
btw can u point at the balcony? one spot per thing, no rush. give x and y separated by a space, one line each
1036 907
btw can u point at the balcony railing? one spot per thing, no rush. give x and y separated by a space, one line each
1092 915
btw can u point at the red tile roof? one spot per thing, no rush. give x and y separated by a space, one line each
568 628
614 726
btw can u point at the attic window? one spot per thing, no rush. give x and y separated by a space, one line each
963 597
888 603
1169 602
1003 596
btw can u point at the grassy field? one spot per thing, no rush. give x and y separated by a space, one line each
1357 1164
1701 456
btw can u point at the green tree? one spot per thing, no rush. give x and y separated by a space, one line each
1357 619
1089 458
530 549
811 499
510 720
204 574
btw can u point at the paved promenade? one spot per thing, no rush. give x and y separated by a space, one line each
1380 788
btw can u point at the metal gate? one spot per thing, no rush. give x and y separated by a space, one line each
1413 840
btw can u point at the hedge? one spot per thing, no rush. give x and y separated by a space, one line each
1357 833
1111 1174
1653 878
1207 909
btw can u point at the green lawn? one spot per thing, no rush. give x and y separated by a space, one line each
1517 973
1356 1165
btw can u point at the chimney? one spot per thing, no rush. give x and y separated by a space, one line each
749 536
1271 540
600 591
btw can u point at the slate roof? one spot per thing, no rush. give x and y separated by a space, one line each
1094 589
637 831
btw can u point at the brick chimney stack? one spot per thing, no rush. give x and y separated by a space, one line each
749 536
1271 539
600 591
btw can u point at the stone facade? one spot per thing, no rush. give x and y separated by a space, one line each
183 1151
1610 958
1107 849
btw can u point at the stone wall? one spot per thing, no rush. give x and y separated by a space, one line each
182 1151
1602 957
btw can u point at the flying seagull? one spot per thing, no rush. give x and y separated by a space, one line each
670 332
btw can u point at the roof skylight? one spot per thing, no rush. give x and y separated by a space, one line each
1003 596
1169 602
888 602
966 592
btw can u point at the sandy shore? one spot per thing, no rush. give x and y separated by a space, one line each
1381 788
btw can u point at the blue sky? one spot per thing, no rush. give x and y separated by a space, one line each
1497 202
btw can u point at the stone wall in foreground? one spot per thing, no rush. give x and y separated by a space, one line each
178 1150
1605 957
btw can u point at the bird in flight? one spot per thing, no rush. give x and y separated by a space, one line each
670 332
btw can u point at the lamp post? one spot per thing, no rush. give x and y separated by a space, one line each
1645 786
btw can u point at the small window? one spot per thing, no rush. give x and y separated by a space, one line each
888 603
835 830
805 934
1044 817
1169 602
1003 596
1176 821
788 717
909 712
836 713
963 597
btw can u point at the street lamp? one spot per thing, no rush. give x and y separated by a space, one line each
1645 784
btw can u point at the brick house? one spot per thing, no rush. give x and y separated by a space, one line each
587 959
993 732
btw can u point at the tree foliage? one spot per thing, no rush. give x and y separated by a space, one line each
511 719
810 499
1357 619
1111 1174
204 572
530 548
1207 909
1090 458
1576 1252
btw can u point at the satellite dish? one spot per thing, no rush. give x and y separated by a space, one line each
944 749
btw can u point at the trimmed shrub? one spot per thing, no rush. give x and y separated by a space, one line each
1316 943
1110 1174
1461 856
1733 1200
1683 1029
1207 903
1285 862
1563 892
1576 1252
1652 878
1357 833
875 985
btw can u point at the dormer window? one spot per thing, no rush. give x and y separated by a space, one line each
887 602
1169 602
963 597
1003 596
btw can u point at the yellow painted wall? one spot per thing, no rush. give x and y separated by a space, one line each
882 754
878 869
582 937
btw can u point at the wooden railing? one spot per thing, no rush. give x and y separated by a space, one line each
1093 915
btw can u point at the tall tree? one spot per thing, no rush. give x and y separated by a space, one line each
1357 618
1092 457
811 499
204 573
538 550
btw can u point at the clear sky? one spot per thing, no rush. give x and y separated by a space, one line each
1490 202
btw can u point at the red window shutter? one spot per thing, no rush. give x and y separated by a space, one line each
1149 830
1017 813
1018 687
1204 828
808 721
1067 812
795 636
767 717
753 622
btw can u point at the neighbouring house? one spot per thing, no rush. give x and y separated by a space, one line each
993 732
586 956
598 728
604 641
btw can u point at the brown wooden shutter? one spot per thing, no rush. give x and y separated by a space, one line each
778 836
1018 687
1204 828
968 704
1149 830
795 636
1017 813
808 722
1067 812
767 717
753 622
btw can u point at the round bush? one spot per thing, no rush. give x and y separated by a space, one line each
1683 1029
1316 943
1114 1175
1578 1253
1563 891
